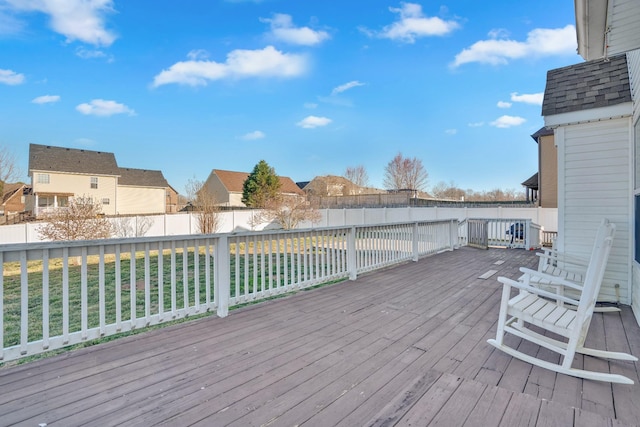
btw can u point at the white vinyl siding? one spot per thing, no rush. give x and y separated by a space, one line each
594 180
623 35
141 200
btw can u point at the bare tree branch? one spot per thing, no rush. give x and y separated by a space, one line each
403 173
82 219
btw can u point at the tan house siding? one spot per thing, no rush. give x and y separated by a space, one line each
78 185
548 175
140 200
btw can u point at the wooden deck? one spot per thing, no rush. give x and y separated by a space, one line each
404 346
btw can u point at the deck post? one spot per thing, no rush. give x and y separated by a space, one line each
222 276
453 234
352 265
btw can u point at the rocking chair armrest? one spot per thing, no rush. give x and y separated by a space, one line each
510 283
553 280
564 258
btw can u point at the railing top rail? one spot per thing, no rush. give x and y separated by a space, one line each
12 247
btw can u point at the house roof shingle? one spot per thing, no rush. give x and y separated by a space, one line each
71 160
142 178
233 182
588 85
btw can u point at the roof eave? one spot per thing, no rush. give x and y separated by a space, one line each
591 25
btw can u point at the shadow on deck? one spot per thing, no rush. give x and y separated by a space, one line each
402 346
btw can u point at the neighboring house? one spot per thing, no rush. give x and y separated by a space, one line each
547 176
593 108
59 174
226 187
14 198
141 192
531 187
331 185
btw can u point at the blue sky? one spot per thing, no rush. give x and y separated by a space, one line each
312 87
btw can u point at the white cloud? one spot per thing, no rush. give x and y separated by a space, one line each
451 131
267 62
531 98
198 55
413 24
251 136
104 108
10 77
540 42
346 86
504 104
311 122
282 29
82 20
46 99
507 121
89 53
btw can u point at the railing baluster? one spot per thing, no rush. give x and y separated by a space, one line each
132 285
45 299
118 269
65 295
101 292
147 285
174 280
160 282
24 303
185 275
196 276
84 310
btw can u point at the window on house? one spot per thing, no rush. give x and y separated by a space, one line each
63 201
105 201
94 182
45 201
43 178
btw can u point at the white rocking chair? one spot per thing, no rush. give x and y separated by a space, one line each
546 310
564 266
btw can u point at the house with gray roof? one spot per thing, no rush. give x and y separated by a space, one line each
590 108
59 174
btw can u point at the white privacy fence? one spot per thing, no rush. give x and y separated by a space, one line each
237 221
57 294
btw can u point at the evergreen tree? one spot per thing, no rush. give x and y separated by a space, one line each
261 186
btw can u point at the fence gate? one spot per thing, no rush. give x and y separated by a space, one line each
477 232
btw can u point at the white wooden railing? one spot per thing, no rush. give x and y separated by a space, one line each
518 233
58 294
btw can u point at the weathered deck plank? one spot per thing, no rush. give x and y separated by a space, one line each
401 346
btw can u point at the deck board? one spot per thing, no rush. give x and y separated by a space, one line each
401 346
